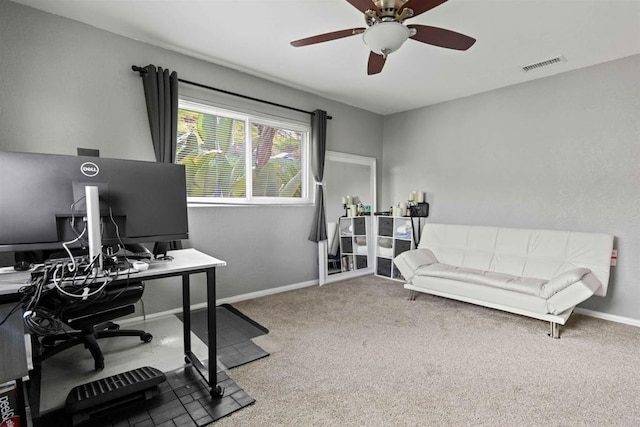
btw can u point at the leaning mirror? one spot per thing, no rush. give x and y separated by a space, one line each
350 200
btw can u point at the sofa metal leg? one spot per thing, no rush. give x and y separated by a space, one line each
412 295
555 330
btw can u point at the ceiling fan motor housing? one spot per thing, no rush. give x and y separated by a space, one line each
387 10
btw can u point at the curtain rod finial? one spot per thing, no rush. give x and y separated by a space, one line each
140 70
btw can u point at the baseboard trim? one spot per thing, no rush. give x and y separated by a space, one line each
266 292
610 317
228 300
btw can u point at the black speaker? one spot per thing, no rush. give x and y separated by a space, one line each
420 210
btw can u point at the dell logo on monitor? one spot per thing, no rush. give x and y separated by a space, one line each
89 169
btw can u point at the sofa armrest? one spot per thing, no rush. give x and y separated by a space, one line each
562 281
573 294
408 262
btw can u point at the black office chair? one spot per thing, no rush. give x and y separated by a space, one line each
90 321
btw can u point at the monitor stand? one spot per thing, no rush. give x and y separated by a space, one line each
92 198
160 251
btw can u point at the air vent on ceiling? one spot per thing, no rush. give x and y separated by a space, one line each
544 63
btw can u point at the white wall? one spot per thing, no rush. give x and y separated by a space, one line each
64 85
561 152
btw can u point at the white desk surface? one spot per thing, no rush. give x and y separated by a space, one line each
13 280
184 260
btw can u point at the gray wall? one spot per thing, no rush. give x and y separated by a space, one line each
561 152
64 85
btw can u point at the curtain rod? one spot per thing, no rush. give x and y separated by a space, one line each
143 71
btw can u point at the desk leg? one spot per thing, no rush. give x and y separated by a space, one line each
209 375
35 377
186 313
212 329
22 403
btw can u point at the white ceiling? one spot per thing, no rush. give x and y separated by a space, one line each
253 36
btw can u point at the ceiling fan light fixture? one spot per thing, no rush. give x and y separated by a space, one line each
385 37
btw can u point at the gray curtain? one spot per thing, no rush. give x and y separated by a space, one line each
161 95
318 147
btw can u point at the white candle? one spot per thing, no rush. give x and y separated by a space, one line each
421 197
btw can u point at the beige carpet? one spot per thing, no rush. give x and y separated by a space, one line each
359 353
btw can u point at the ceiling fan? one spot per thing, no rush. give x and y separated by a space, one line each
386 31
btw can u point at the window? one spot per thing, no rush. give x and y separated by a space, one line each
233 157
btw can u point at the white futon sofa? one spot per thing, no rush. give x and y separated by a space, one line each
542 274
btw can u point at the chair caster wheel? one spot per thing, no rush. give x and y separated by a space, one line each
146 337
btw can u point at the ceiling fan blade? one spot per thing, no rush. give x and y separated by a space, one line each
420 6
364 5
376 62
320 38
441 37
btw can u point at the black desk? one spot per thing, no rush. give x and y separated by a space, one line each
185 263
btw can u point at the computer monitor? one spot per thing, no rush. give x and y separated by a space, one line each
43 200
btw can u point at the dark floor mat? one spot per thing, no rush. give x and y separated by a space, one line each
183 401
234 331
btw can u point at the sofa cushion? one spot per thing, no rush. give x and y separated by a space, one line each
527 285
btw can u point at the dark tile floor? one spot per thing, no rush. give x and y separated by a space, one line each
183 399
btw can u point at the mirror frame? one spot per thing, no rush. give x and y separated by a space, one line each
350 159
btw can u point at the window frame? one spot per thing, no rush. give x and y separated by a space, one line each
249 118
